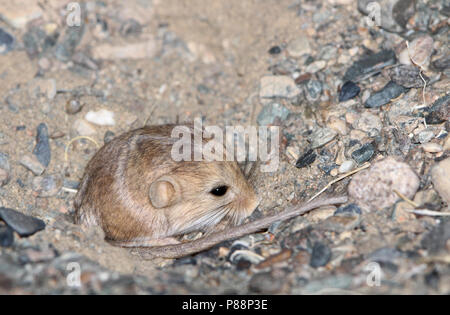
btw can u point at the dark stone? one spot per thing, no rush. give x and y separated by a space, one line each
6 236
6 41
243 264
385 95
407 76
24 225
320 256
348 91
327 168
73 106
364 153
370 64
439 111
42 148
275 50
432 279
306 159
72 37
37 42
130 27
351 208
185 261
109 135
442 63
436 240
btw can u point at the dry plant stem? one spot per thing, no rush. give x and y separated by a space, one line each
421 69
66 151
189 248
412 203
364 166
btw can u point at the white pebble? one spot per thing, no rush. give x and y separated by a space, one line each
102 117
83 128
432 147
347 166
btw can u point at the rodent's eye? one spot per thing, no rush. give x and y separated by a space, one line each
219 191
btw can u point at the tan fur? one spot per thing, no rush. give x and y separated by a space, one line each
114 192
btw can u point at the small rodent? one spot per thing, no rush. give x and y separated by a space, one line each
141 197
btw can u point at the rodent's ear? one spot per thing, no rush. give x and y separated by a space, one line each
164 192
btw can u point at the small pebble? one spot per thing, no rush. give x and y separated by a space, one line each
401 213
348 91
419 50
373 188
351 208
439 111
432 147
47 186
425 136
32 163
321 136
24 225
133 51
306 159
6 236
316 66
4 169
364 153
4 177
278 86
66 46
313 90
109 135
83 128
270 112
275 50
347 166
385 254
31 255
299 47
73 106
42 148
320 256
385 95
6 41
440 176
340 223
130 27
101 117
407 76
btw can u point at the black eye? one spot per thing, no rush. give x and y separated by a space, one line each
219 191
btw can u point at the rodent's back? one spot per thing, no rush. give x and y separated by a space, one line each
114 192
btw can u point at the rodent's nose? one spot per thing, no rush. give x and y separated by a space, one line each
250 203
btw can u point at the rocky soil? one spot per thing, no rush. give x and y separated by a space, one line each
351 91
